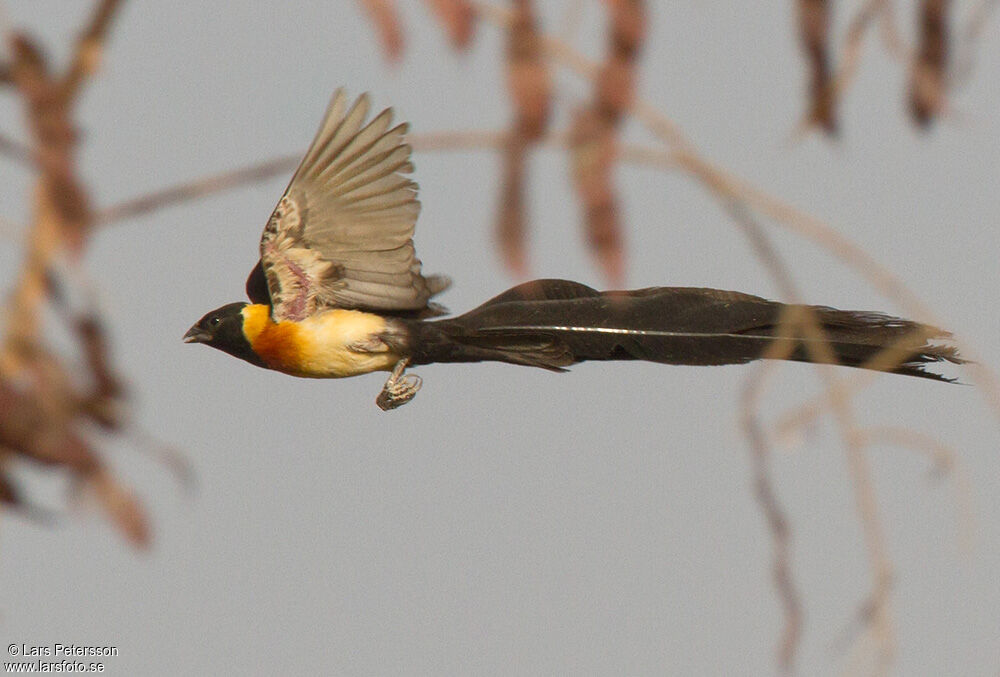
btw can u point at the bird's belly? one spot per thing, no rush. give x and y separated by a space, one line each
334 362
318 347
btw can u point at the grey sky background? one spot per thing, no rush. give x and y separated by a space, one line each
510 521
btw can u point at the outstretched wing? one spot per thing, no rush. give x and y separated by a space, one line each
341 235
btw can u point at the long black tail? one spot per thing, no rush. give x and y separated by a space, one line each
556 323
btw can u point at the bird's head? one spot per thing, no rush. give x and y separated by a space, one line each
218 327
223 329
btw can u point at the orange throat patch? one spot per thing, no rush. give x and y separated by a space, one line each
277 344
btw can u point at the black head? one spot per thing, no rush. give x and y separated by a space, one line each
223 329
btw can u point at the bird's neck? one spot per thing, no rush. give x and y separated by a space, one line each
275 343
256 318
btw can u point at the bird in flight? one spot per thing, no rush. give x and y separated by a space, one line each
338 291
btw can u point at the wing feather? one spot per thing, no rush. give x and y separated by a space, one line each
340 133
358 147
342 234
389 154
377 181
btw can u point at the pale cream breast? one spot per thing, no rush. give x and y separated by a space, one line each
320 345
326 337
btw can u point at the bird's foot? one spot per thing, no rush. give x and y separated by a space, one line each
399 389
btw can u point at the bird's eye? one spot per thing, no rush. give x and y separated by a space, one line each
214 321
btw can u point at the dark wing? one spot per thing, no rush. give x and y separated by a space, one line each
341 235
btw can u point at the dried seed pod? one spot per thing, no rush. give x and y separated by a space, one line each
458 18
928 80
511 227
593 150
814 34
530 87
593 137
121 506
528 79
617 79
385 17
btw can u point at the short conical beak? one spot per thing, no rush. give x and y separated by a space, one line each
197 335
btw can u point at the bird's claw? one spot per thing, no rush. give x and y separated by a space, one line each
399 389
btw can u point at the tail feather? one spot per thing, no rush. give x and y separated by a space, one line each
555 323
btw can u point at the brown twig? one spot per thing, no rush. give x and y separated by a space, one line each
89 48
774 515
851 52
191 190
425 142
799 320
765 494
790 423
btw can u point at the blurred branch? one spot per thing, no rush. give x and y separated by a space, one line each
44 411
773 513
191 190
426 142
799 320
760 449
851 51
90 48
